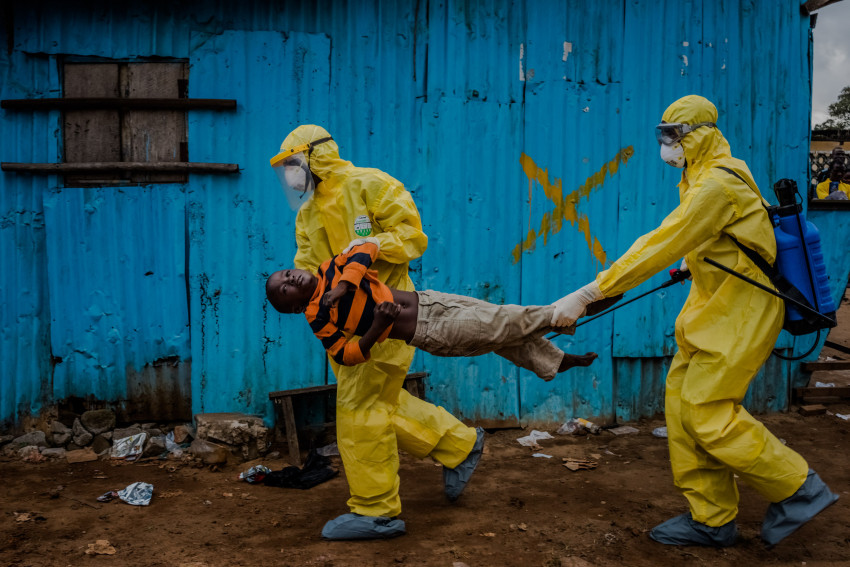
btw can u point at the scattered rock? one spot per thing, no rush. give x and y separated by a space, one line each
98 421
243 434
100 444
55 453
36 438
82 437
100 547
209 453
181 434
30 454
61 433
120 433
154 447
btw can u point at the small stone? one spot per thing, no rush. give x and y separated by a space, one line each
154 447
98 421
55 453
100 444
82 437
181 434
37 438
210 453
123 433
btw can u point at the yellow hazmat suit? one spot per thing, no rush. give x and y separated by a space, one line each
823 188
375 416
725 331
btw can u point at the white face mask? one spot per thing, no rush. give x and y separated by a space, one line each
673 155
296 177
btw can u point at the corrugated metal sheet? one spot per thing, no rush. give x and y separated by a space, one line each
489 111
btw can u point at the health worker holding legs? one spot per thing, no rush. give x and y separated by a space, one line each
724 333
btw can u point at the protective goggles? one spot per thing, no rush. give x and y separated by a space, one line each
293 172
670 133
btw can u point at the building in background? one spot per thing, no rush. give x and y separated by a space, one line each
139 224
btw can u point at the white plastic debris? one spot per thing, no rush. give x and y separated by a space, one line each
137 494
824 385
843 416
532 438
129 447
328 450
660 432
542 455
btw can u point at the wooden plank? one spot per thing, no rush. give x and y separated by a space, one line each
90 135
153 135
831 365
291 431
103 103
60 168
816 409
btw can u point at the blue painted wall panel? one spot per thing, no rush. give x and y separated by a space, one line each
241 228
481 108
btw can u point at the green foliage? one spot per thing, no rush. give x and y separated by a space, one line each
839 113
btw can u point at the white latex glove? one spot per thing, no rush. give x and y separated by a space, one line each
683 267
569 308
359 241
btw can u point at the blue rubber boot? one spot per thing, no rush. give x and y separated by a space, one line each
785 517
455 479
684 530
356 526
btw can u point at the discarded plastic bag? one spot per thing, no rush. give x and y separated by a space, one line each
107 496
255 474
660 432
328 450
129 448
578 426
137 494
532 438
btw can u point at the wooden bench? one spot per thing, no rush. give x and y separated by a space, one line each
283 399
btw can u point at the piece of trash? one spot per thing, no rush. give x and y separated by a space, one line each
107 496
532 438
488 534
137 494
171 446
100 547
660 432
843 416
129 448
578 426
255 474
316 470
22 516
543 455
824 385
624 430
328 450
30 454
575 464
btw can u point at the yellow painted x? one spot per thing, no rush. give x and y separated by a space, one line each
565 207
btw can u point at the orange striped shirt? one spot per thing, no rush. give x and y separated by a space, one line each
353 314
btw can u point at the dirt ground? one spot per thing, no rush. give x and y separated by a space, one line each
517 510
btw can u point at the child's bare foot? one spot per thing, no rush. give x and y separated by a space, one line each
571 360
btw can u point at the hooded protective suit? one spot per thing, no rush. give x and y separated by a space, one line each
725 331
375 416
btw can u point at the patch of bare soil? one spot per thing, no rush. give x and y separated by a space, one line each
517 510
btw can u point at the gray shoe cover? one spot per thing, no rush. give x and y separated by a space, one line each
785 517
455 479
355 526
684 530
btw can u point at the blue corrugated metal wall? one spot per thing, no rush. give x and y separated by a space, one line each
491 112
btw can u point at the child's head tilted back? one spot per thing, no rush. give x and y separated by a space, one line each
290 291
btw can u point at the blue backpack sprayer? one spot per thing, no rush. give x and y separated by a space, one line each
799 274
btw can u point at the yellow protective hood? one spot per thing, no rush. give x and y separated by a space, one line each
703 144
324 158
